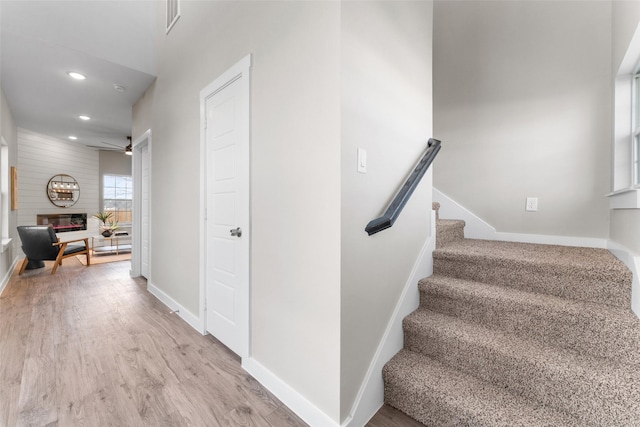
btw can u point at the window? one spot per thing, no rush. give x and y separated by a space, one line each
173 13
625 186
5 197
117 195
636 130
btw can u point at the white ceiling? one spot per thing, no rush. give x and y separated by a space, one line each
110 42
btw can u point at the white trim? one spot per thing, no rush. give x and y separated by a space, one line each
7 276
476 228
632 261
629 198
194 321
5 189
136 223
239 70
6 244
625 94
370 397
306 410
175 18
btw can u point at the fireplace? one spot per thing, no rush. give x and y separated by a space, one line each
62 223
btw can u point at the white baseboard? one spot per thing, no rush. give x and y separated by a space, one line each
306 410
370 398
196 322
477 228
632 261
7 276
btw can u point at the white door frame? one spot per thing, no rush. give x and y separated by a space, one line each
136 169
239 70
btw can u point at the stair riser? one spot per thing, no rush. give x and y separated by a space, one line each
449 234
586 332
571 284
424 406
566 388
438 396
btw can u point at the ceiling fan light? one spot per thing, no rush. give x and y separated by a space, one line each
76 76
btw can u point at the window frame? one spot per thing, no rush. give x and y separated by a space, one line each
635 129
128 190
173 14
5 195
625 176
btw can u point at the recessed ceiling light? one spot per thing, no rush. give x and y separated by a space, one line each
119 88
84 117
73 137
76 76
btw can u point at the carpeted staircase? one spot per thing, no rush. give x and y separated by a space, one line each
514 334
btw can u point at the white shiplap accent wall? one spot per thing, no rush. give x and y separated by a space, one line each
39 158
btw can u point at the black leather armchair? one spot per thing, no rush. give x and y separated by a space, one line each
40 243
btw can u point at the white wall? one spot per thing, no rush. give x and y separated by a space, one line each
327 77
41 157
385 109
625 18
295 247
522 103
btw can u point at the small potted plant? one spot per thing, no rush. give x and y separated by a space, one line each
108 227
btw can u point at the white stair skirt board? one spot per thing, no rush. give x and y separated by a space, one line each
370 398
477 228
632 262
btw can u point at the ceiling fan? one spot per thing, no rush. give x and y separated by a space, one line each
114 147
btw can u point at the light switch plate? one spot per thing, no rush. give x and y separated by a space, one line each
362 160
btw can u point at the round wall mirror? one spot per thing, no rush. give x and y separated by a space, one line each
63 190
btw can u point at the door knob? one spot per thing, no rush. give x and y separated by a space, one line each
236 232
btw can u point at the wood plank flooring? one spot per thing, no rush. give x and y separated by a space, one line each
89 346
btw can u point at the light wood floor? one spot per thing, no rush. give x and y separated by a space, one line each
90 346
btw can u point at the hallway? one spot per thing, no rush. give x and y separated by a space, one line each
90 346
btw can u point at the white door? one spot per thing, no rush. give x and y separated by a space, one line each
226 145
141 226
144 212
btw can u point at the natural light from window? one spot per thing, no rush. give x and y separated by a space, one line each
117 197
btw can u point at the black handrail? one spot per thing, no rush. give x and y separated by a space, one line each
401 199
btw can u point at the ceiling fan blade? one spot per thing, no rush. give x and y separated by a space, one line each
105 148
113 145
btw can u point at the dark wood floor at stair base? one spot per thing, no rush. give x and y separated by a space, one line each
389 416
90 346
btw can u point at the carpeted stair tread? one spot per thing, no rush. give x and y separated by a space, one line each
590 388
585 274
436 207
511 334
585 327
437 395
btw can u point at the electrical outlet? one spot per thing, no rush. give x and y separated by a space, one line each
532 204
